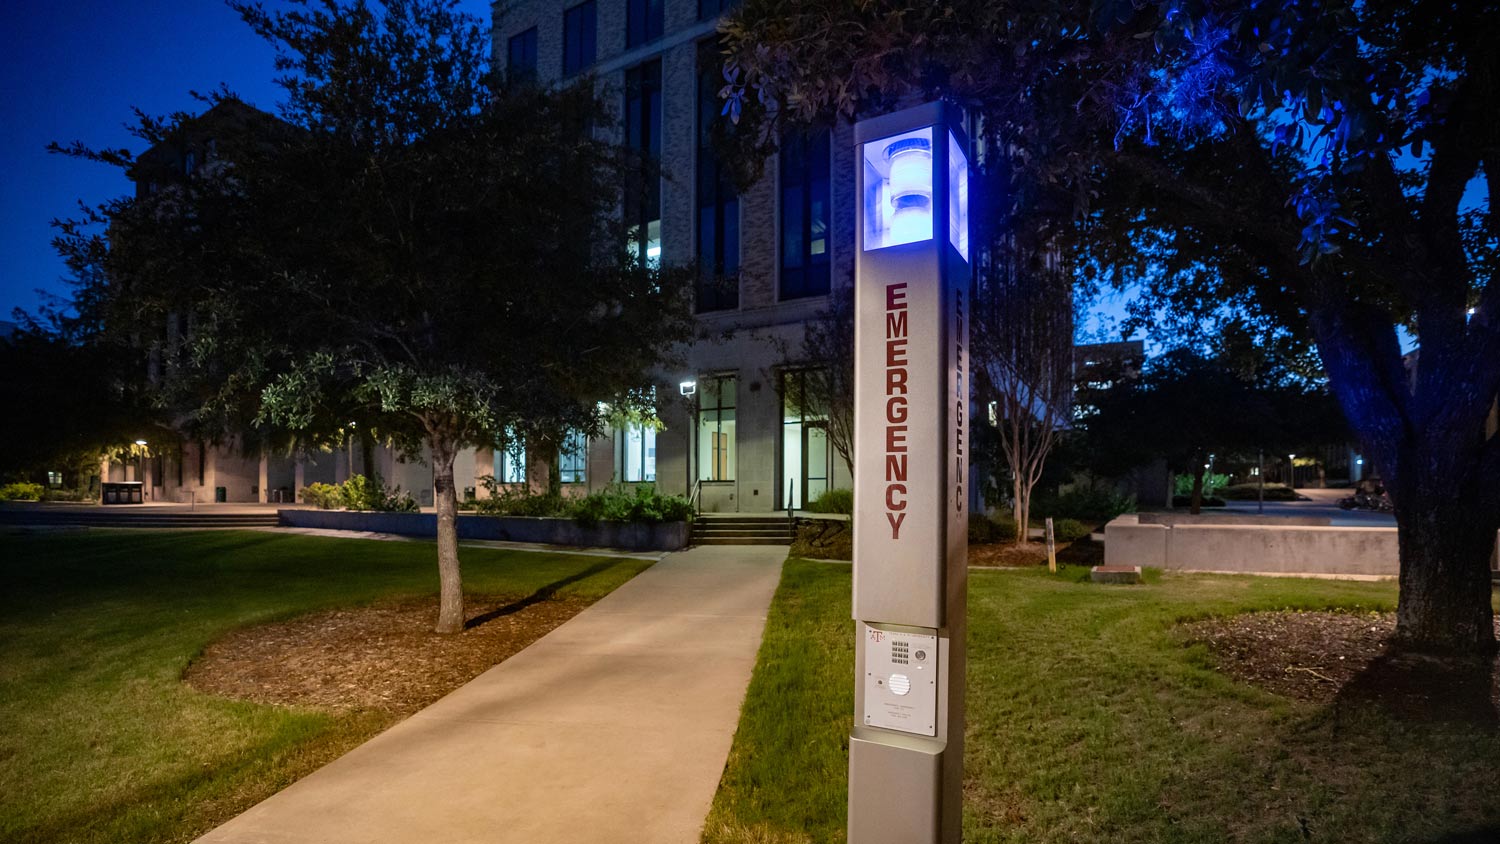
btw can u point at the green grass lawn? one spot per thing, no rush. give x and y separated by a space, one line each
99 739
1090 721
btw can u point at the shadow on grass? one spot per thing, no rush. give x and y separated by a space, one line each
1419 687
543 594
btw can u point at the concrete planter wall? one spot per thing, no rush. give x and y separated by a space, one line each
633 536
1268 547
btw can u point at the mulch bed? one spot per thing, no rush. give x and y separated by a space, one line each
1335 658
383 657
1007 555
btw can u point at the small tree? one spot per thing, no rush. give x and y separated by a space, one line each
429 243
1023 360
829 340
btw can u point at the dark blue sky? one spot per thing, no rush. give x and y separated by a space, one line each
72 71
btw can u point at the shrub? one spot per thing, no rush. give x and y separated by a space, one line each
1251 492
620 503
1087 504
824 539
984 530
67 495
323 496
363 493
518 502
833 501
1183 484
1069 530
22 492
1187 501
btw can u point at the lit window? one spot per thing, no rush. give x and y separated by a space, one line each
573 458
510 459
637 453
716 428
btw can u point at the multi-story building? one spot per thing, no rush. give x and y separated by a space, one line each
736 433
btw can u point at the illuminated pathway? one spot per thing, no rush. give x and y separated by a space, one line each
612 728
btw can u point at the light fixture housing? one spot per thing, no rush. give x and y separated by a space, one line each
688 388
905 176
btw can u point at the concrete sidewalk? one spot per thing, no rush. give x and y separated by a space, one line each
612 728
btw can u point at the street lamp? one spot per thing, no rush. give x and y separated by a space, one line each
910 536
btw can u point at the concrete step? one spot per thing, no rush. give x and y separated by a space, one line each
769 529
735 540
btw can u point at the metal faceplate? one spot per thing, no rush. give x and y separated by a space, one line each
901 679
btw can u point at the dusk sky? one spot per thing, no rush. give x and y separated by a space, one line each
73 71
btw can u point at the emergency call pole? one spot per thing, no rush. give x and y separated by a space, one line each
911 383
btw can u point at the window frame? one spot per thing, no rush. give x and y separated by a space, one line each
717 287
527 40
706 473
644 21
580 30
814 276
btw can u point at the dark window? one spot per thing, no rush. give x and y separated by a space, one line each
717 202
643 136
521 63
579 37
643 21
804 214
713 8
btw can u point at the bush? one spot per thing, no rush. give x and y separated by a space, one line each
824 539
21 492
323 496
833 501
620 503
363 493
1187 501
1183 484
1087 504
67 495
518 502
1069 530
1251 492
985 530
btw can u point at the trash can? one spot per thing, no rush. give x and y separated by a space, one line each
122 492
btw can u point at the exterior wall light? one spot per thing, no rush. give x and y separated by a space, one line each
688 388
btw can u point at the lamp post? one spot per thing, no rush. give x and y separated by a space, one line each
910 535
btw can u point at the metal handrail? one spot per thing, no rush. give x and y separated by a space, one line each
791 495
695 500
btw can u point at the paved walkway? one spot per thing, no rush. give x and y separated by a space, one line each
612 728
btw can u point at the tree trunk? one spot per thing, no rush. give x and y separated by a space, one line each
1446 538
1196 505
366 453
1022 509
450 578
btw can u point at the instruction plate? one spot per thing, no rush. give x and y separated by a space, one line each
901 680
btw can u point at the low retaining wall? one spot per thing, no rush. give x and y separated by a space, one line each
633 536
1277 548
